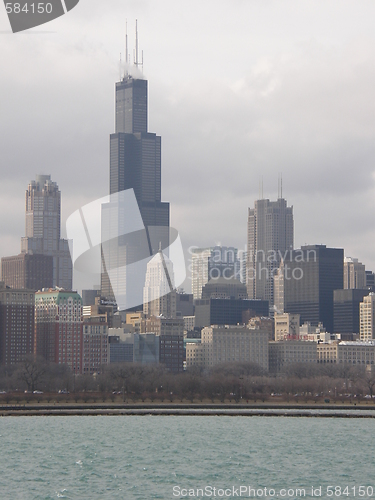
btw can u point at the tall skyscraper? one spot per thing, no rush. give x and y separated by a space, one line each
16 324
135 163
270 234
354 274
309 277
367 317
159 295
43 222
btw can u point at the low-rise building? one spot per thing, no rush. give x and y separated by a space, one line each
291 352
357 353
229 344
328 352
286 326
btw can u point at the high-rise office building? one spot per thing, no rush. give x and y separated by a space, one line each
367 317
95 344
43 223
346 310
370 281
213 263
16 324
159 295
135 163
310 276
31 271
270 233
59 328
354 274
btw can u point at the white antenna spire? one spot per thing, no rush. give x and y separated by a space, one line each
120 65
281 181
136 43
126 48
137 63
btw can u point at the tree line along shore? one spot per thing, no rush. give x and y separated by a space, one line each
35 381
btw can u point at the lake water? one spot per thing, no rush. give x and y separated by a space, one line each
167 457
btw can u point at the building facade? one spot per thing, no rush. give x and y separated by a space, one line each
270 235
30 271
135 163
287 326
159 294
16 324
227 311
224 288
290 352
229 344
367 318
354 274
95 345
213 263
43 224
310 276
346 310
59 328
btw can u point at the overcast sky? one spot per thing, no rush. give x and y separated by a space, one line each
238 90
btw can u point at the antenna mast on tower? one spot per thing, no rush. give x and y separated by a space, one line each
136 60
126 49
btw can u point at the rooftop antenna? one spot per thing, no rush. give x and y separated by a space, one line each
278 187
262 187
136 60
120 65
281 184
126 48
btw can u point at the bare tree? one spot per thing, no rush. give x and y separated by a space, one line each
32 371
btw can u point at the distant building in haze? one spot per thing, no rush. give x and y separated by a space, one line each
354 274
213 263
43 224
159 295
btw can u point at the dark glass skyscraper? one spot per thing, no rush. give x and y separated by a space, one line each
135 154
310 276
135 163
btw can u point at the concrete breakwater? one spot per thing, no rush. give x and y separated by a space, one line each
338 411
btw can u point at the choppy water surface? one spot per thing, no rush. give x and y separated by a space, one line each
146 457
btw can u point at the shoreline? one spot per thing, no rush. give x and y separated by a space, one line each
249 410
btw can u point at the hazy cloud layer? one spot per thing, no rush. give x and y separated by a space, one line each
237 90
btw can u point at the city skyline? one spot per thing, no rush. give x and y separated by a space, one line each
260 138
